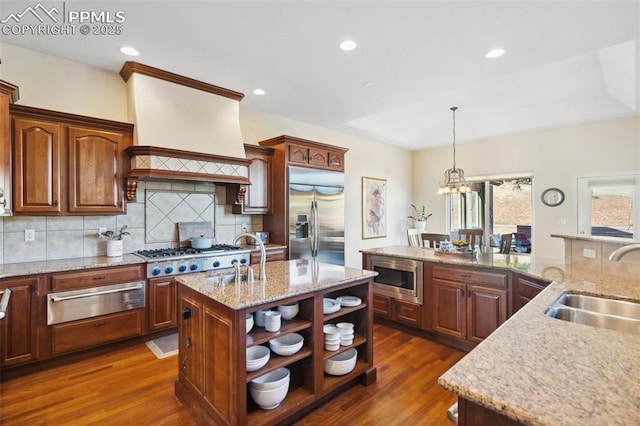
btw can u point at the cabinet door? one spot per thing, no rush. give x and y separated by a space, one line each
163 304
190 345
95 171
19 327
258 196
336 160
486 310
318 157
449 308
523 291
298 154
37 166
407 312
382 306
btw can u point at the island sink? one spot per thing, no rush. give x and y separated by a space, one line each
612 314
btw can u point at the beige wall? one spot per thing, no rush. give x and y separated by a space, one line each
556 158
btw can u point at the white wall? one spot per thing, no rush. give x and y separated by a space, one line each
556 157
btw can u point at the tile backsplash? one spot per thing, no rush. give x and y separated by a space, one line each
150 219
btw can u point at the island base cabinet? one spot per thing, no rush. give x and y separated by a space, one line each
213 383
397 310
472 414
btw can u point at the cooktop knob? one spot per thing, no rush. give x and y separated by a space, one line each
216 263
243 260
182 268
193 267
156 271
168 269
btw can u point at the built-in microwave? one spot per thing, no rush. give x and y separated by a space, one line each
397 278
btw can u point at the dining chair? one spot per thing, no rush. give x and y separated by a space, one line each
414 238
505 243
430 240
470 236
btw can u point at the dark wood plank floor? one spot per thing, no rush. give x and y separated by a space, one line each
131 386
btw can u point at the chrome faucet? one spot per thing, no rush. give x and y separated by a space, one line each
236 266
249 274
263 254
619 253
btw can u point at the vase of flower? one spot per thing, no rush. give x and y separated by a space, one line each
420 225
419 217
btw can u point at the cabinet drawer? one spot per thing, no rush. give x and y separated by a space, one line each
272 256
382 305
468 276
96 277
95 331
526 288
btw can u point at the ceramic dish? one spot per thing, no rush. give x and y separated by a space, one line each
349 300
330 306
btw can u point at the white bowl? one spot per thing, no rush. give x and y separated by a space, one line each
344 326
273 379
268 399
341 364
330 331
332 340
289 311
257 357
287 345
332 348
249 322
346 342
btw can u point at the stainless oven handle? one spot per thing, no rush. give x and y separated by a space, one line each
97 293
6 295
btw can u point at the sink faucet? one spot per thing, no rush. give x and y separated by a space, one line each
249 274
619 253
263 254
236 266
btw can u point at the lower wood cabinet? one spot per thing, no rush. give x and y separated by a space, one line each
397 310
23 329
468 304
162 303
524 289
95 331
273 254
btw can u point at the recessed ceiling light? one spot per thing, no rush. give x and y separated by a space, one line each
259 92
129 51
348 45
495 53
367 84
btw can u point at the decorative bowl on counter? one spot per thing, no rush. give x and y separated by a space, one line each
289 310
341 364
257 357
287 345
273 379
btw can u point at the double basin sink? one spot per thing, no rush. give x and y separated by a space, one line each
598 312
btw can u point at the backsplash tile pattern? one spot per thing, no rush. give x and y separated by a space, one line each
158 162
77 236
165 208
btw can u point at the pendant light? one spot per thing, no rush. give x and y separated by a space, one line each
454 181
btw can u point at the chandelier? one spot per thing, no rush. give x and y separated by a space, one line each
454 181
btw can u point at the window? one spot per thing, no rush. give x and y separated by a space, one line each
606 206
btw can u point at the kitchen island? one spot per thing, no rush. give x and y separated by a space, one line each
213 381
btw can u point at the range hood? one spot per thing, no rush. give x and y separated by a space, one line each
185 129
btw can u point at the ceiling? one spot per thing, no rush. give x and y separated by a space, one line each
566 62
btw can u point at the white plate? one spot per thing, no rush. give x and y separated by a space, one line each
330 306
349 300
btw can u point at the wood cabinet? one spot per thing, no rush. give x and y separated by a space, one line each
67 164
397 310
254 198
273 254
8 95
524 288
162 303
289 150
468 304
23 330
213 381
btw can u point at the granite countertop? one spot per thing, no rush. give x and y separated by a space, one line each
613 240
538 267
284 279
8 270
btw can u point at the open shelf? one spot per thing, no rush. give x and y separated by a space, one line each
357 341
276 361
296 397
333 382
344 310
259 335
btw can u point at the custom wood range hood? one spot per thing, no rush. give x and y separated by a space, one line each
185 129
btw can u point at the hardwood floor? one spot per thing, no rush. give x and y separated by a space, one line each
131 386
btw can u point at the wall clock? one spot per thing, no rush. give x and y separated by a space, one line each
552 197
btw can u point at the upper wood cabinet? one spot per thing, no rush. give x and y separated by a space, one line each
8 95
256 197
307 153
67 164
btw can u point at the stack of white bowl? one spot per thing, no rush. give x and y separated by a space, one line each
257 357
346 333
331 337
269 390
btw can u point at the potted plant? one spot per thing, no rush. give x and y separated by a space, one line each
419 217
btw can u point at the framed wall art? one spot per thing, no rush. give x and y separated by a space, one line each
374 207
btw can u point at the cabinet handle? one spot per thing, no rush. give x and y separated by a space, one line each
465 276
99 324
55 203
4 203
99 278
186 314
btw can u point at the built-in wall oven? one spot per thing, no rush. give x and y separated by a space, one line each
398 278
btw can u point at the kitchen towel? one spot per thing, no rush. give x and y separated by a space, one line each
165 346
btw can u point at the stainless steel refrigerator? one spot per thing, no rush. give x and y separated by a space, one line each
316 215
